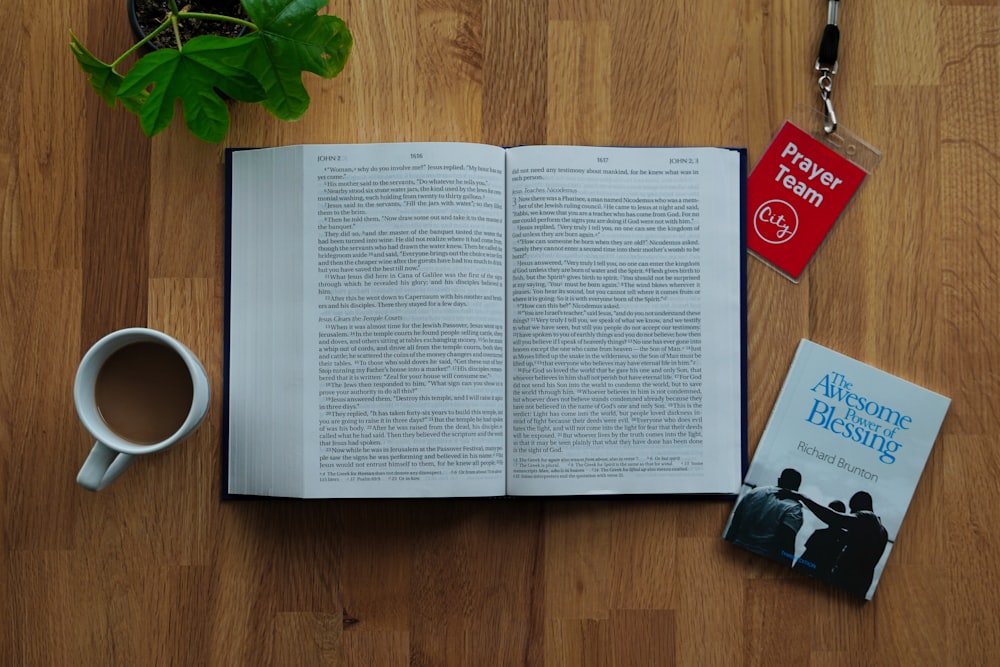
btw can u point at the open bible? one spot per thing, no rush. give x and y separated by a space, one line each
452 319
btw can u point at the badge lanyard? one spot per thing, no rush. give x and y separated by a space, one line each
808 175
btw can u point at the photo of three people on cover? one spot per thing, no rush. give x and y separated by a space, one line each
767 520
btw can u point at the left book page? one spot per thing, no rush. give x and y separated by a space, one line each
365 296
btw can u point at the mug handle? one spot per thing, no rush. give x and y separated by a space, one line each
103 465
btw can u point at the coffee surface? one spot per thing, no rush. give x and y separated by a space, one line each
144 392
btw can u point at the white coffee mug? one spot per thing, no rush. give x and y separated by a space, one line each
113 450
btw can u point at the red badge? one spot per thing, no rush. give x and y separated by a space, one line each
796 193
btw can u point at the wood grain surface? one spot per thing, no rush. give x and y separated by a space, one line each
101 228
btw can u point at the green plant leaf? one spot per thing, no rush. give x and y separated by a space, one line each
292 38
194 75
103 78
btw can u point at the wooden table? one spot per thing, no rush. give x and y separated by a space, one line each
101 228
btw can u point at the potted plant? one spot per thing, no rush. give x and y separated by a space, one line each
280 40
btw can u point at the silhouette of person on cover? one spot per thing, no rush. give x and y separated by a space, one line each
865 539
823 547
767 518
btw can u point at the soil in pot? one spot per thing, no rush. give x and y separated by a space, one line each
150 13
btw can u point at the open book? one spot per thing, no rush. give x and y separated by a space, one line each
450 319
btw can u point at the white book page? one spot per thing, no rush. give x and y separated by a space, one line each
263 384
624 320
403 333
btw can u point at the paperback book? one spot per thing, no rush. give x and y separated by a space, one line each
836 468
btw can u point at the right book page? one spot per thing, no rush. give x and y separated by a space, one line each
835 468
625 319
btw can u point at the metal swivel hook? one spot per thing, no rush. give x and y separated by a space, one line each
825 88
829 116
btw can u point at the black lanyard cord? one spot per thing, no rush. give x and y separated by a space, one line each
826 64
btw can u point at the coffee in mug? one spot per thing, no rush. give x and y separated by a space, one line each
143 392
137 391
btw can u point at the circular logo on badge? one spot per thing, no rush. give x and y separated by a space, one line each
775 221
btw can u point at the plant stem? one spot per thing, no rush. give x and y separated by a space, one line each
217 17
145 40
180 15
177 29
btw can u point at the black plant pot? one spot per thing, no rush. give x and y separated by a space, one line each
134 22
225 29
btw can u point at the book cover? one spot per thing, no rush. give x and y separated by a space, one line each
836 468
